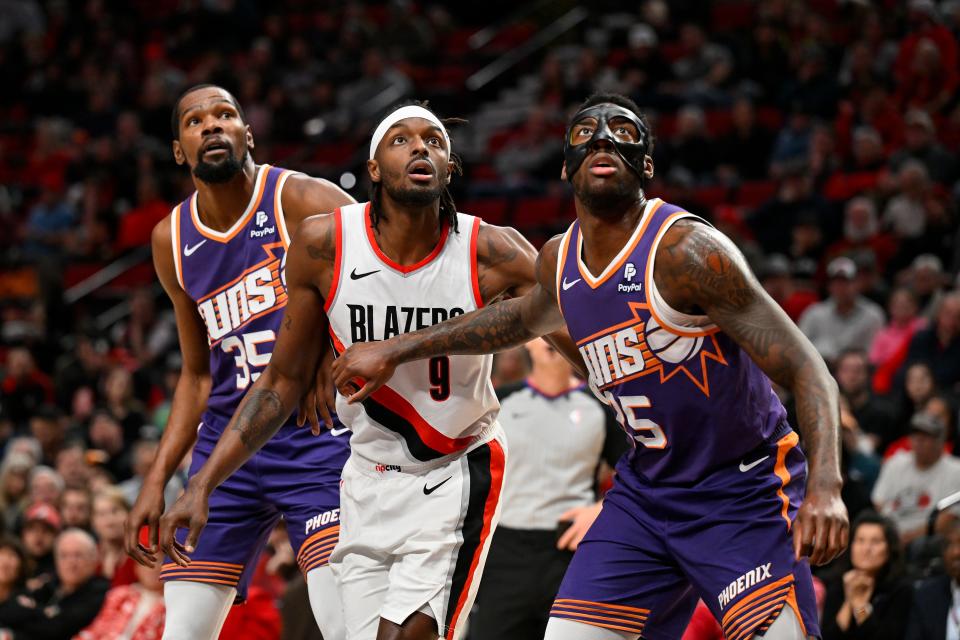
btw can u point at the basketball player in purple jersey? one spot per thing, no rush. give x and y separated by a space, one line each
420 492
679 339
219 257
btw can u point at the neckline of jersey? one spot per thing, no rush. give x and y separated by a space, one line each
621 257
405 269
254 202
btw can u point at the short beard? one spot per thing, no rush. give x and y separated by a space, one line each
417 197
218 173
614 200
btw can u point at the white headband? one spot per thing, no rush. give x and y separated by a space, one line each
403 113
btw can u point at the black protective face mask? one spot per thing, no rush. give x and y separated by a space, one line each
632 153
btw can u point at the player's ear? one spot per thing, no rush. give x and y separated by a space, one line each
563 172
250 142
450 169
647 167
373 168
178 154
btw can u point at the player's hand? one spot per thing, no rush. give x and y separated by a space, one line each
189 512
365 366
146 512
582 519
821 527
321 397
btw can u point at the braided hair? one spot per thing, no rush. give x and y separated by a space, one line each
448 209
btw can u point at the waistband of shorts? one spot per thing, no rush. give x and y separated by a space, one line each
377 468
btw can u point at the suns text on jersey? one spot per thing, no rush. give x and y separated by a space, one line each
251 295
617 355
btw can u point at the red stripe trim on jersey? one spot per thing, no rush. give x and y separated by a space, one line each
337 259
495 468
402 268
428 434
474 267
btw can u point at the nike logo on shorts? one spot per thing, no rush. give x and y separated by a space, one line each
567 285
746 467
427 491
338 432
356 276
188 250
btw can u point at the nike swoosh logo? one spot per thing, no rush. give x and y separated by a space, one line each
746 467
188 250
567 285
427 491
338 432
356 276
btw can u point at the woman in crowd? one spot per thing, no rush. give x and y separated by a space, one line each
110 511
131 611
14 477
871 600
14 569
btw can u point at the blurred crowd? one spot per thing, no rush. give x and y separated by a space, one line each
821 135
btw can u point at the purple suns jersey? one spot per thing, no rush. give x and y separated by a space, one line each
689 397
235 277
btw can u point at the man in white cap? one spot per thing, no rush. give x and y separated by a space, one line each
420 494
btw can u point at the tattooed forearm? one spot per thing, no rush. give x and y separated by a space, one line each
324 248
700 271
260 416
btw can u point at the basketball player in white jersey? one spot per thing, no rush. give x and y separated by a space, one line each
420 493
233 231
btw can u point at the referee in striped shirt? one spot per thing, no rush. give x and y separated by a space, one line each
559 434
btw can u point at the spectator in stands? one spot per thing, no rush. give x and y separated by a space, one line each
25 388
110 510
812 88
122 404
927 282
48 428
48 223
906 213
61 608
106 438
131 611
14 480
704 67
933 611
645 71
530 155
862 233
41 524
874 415
545 487
871 599
76 507
147 334
846 320
911 482
46 485
82 368
939 345
795 203
72 465
690 149
380 85
905 320
746 148
920 143
14 569
144 451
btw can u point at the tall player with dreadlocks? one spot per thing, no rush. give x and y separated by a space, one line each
420 492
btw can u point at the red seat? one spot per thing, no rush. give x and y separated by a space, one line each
752 194
546 210
490 210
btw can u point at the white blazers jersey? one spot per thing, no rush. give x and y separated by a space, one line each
429 409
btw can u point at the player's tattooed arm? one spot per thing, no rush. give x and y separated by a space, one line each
496 327
699 270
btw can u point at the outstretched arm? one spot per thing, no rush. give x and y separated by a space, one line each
698 268
274 395
493 328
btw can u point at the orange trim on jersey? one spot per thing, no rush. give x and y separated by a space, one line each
408 268
624 253
278 208
793 604
635 612
329 531
784 445
427 432
562 263
497 464
337 259
757 596
474 267
177 252
268 248
226 566
240 223
648 277
317 551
